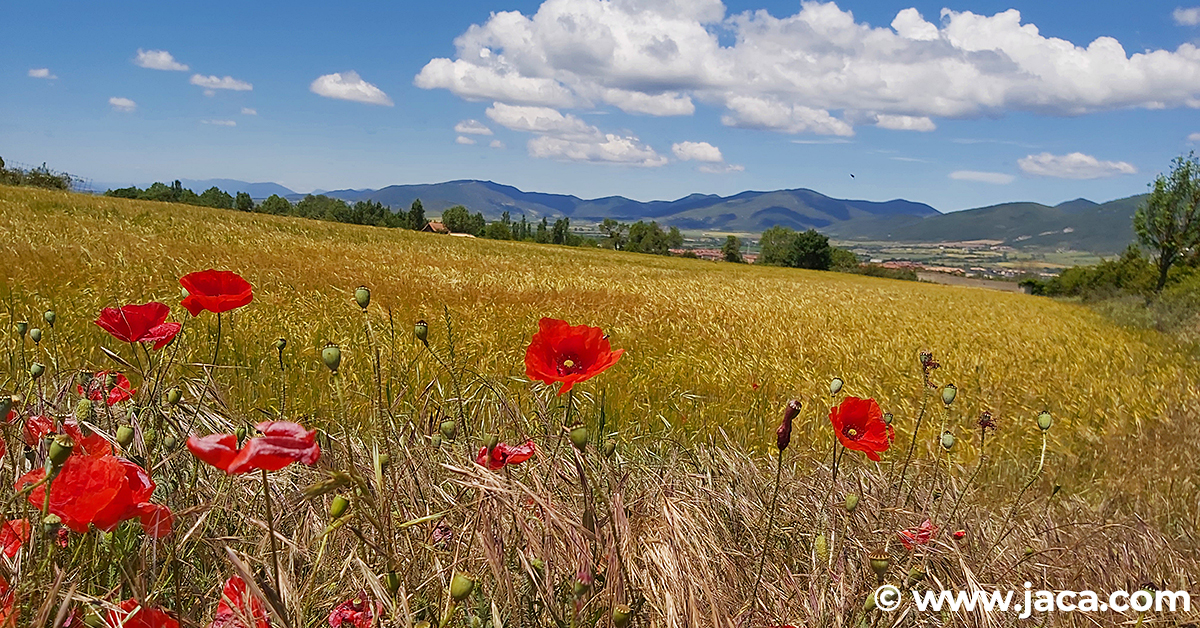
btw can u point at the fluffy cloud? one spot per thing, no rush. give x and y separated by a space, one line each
1186 17
720 168
158 60
219 122
216 82
472 127
541 120
565 136
246 111
349 86
1073 166
818 70
1194 137
462 139
496 144
697 151
42 73
998 178
122 104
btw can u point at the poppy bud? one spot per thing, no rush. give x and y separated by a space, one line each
879 563
338 507
280 344
23 328
783 435
582 584
36 370
449 428
959 534
362 296
579 437
174 396
49 318
948 394
822 547
947 440
240 434
887 418
436 441
125 435
491 442
835 386
170 442
332 356
35 335
621 615
915 575
610 446
391 580
460 587
1044 420
870 604
851 502
421 331
60 449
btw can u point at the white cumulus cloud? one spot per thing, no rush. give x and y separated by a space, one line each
122 104
216 82
904 123
349 86
220 122
472 127
462 139
1186 17
246 111
998 178
1073 166
158 60
697 151
496 144
567 137
42 73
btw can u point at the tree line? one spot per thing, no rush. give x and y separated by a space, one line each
41 177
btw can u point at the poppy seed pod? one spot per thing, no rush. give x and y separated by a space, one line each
835 386
36 370
332 356
174 396
947 440
125 435
50 524
914 576
362 296
35 335
421 331
280 344
851 502
879 561
887 418
610 446
579 437
170 442
621 615
436 441
23 328
6 404
948 394
49 317
338 507
391 580
460 587
870 604
1044 420
60 449
449 429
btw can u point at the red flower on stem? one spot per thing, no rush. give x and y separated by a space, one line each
859 425
13 534
121 391
568 354
36 428
8 603
140 323
503 454
353 613
238 608
131 614
918 535
102 491
281 444
216 291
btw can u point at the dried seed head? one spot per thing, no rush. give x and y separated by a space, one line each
579 437
835 385
460 587
125 435
331 355
35 335
1044 420
421 331
36 370
362 296
948 394
49 317
947 440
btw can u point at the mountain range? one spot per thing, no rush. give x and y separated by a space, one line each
1080 225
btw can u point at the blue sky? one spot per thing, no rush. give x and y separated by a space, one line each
957 105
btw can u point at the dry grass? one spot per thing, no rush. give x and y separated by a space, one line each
677 518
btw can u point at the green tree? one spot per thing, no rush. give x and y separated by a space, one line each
776 242
843 260
216 197
498 231
733 250
674 238
562 227
243 202
543 232
810 250
1168 223
416 216
457 219
614 234
276 204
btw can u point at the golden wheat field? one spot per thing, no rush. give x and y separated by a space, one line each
708 345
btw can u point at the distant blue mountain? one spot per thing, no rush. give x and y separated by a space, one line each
255 190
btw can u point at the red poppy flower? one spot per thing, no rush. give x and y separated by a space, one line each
91 444
559 352
353 613
503 454
8 602
238 608
281 444
121 391
859 425
131 614
140 323
919 535
101 491
216 291
13 534
959 534
36 428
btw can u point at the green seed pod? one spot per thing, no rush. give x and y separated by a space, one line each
385 460
85 411
610 446
338 507
835 385
36 370
870 604
421 331
35 335
23 328
183 292
332 356
948 394
491 442
6 405
851 502
174 396
362 296
170 442
887 418
149 437
879 564
915 575
621 615
947 440
449 429
240 433
1044 420
391 580
461 587
49 317
60 449
579 437
125 435
280 344
436 441
821 545
50 524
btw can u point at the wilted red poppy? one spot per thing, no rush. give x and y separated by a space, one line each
131 614
36 428
281 444
503 454
353 613
140 323
238 608
559 352
216 291
91 443
122 390
859 425
919 535
101 491
13 534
